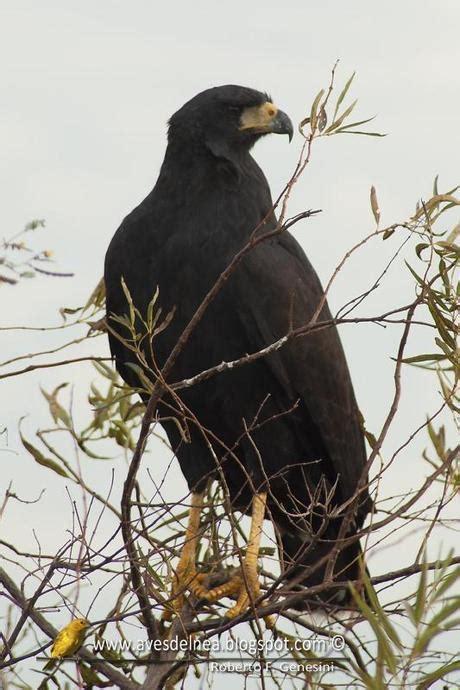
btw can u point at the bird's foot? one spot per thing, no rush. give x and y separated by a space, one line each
249 592
187 578
226 589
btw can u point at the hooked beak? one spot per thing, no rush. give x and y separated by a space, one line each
281 124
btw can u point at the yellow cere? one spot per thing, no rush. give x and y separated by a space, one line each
258 117
70 639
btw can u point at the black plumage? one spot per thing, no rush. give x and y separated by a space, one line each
209 198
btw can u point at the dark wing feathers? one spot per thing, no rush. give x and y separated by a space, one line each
281 289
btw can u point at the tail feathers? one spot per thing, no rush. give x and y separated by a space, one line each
300 558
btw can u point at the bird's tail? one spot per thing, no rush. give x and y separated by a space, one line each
300 558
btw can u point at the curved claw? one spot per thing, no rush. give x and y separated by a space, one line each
246 585
188 578
248 594
182 581
250 586
227 589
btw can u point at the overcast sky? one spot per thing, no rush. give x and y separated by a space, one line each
86 92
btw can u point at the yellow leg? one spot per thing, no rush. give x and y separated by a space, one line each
185 576
246 585
250 586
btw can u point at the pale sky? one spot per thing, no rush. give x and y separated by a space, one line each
85 95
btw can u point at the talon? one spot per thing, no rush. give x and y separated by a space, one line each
230 587
183 579
186 576
245 585
196 587
250 585
248 593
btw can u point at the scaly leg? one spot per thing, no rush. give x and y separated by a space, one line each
245 585
250 586
186 576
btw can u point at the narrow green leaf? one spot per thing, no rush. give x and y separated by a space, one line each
342 95
314 108
34 224
342 117
381 615
421 598
420 247
41 459
322 119
154 575
145 382
388 233
67 310
447 582
106 371
357 124
302 124
366 134
432 357
375 205
129 300
150 318
375 623
449 247
82 445
166 321
58 413
90 677
97 297
111 655
123 320
370 438
435 626
410 612
441 672
445 208
442 324
419 280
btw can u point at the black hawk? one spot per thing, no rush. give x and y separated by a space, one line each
283 432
